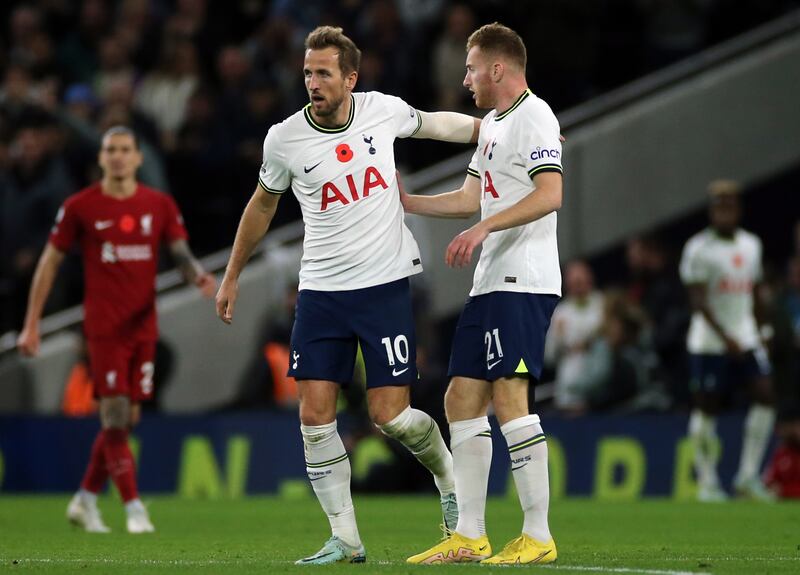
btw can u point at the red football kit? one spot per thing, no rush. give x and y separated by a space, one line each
119 241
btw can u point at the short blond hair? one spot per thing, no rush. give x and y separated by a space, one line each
499 40
722 188
333 37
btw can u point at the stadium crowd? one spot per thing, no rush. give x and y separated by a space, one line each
202 81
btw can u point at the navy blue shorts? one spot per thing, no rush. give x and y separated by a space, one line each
330 325
716 373
501 334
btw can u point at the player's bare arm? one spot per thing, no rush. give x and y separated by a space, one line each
43 278
544 199
448 127
461 203
699 303
192 270
254 224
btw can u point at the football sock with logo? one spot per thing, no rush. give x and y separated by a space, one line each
704 440
758 426
119 459
328 469
471 442
418 431
94 479
528 450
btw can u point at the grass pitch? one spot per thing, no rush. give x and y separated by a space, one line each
265 535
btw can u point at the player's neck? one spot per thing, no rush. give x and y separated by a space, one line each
337 119
508 94
119 189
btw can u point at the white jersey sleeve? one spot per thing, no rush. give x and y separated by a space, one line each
542 144
405 119
693 267
274 175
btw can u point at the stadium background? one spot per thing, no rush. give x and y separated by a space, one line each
655 99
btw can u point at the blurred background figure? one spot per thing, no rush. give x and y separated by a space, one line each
577 321
722 269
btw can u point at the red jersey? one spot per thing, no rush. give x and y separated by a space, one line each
119 242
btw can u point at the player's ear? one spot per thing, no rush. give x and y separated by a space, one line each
350 80
498 70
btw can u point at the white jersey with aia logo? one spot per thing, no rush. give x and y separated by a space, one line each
513 147
729 268
344 179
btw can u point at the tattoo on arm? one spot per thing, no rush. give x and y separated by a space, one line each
185 260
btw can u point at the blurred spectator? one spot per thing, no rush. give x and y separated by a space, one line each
31 190
618 368
783 471
77 52
657 289
164 93
448 61
114 66
575 324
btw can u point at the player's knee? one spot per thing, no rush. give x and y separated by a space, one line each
318 434
311 414
115 412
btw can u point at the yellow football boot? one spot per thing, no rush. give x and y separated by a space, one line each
522 550
455 549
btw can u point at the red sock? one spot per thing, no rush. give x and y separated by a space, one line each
121 466
94 479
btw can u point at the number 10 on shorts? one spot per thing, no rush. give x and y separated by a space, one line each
397 350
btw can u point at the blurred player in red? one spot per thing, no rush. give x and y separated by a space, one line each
119 225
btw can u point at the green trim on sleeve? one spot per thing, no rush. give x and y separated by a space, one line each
270 190
419 123
545 168
474 173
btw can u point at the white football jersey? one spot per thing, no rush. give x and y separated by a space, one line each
344 179
729 268
513 147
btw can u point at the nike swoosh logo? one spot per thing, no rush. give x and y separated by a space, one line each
312 558
306 170
103 224
482 548
491 365
518 467
396 373
316 478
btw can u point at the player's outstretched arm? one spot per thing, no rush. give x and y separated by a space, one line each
43 278
461 203
254 224
544 199
192 270
448 127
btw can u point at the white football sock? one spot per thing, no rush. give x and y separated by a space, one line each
328 469
134 507
528 450
471 442
419 433
703 435
88 497
758 426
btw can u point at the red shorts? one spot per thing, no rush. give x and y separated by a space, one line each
122 368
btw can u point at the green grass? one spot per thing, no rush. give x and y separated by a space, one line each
264 535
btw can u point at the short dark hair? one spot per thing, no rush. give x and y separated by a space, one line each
499 40
121 130
329 36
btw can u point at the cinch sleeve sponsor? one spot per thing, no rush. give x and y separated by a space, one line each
407 120
542 146
66 228
175 229
273 176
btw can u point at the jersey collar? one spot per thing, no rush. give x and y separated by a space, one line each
514 106
323 129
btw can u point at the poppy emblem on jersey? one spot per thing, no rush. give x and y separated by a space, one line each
738 260
368 141
127 223
344 153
